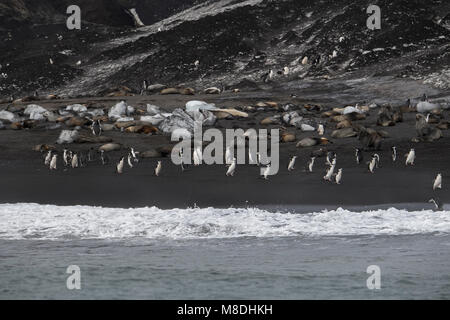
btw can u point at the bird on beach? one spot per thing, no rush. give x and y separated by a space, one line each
311 164
266 172
228 156
181 154
90 155
321 129
74 162
292 163
377 160
231 168
197 156
330 171
48 158
437 182
66 157
339 176
104 157
330 157
129 161
158 168
411 156
372 164
96 128
438 205
53 162
134 155
120 166
358 155
394 153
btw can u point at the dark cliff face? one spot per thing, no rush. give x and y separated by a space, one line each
234 41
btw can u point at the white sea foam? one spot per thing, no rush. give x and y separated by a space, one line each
33 221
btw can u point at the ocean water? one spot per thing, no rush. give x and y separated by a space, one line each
210 253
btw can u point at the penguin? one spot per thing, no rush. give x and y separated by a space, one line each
394 153
129 161
134 155
48 158
120 166
339 176
197 156
410 157
321 130
74 161
424 97
228 156
330 157
96 128
286 71
359 155
305 60
82 159
53 162
66 157
330 171
438 205
377 160
292 163
231 168
144 87
311 164
372 163
158 168
268 76
90 155
437 182
181 154
104 157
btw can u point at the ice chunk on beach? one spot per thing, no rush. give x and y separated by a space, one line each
153 110
67 136
181 133
306 127
425 106
34 108
348 110
178 120
154 120
96 112
76 108
118 110
6 115
195 105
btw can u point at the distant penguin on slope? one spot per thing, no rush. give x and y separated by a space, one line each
437 182
292 163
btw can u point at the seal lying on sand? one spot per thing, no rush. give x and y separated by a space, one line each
425 131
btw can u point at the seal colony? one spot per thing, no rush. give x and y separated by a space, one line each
333 145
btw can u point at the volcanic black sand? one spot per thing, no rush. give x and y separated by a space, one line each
24 178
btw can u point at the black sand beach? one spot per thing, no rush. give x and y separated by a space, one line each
24 178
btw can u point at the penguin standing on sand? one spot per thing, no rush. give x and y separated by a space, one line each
120 166
48 158
437 182
377 160
292 163
231 168
158 168
411 156
394 153
181 154
104 157
96 128
66 157
330 157
134 155
266 172
53 162
330 171
311 164
144 87
339 176
359 155
129 161
75 161
372 164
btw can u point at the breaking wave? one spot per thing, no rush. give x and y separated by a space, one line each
34 221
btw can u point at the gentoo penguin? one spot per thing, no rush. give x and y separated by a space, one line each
358 155
231 168
129 161
410 157
394 153
228 156
120 166
292 163
311 164
158 168
439 206
266 172
339 176
53 162
372 163
75 161
437 182
48 158
104 157
321 130
330 171
96 128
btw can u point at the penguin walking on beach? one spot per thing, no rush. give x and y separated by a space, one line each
394 153
96 128
359 156
181 154
330 171
104 157
372 164
330 157
48 158
130 164
437 182
438 205
338 177
267 172
74 161
144 87
197 156
231 168
158 168
134 155
53 162
120 166
410 157
292 163
377 160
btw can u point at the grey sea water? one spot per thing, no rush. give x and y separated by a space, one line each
211 253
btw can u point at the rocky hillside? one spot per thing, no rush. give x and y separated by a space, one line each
234 41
